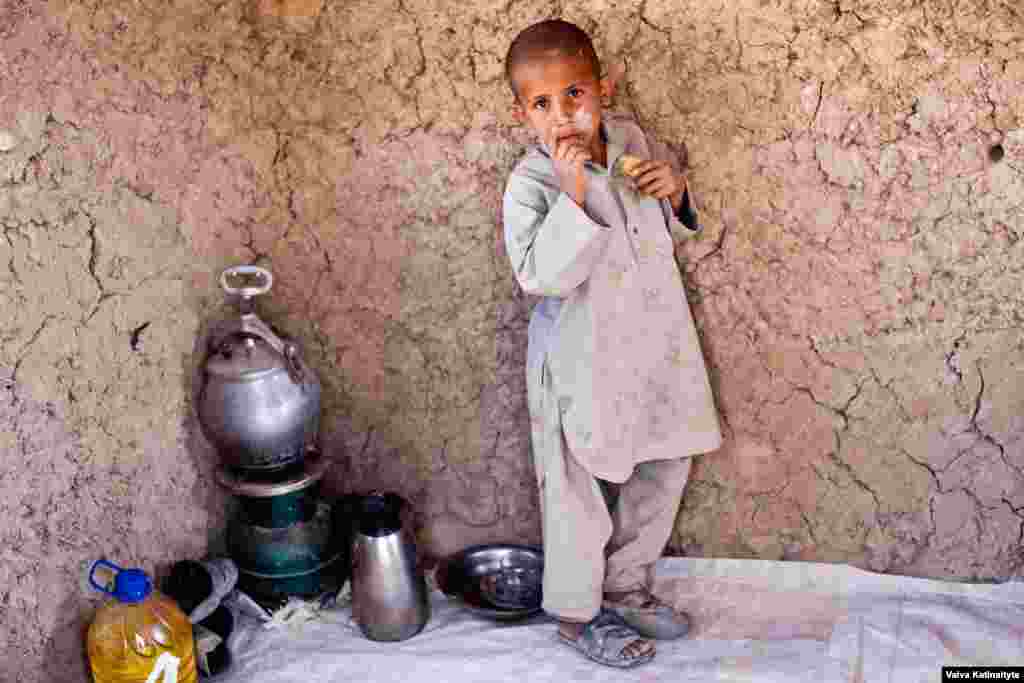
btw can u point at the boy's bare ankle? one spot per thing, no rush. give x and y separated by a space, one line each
571 629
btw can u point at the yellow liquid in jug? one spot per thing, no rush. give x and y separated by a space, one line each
142 642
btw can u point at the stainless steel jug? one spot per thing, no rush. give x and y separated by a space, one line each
389 591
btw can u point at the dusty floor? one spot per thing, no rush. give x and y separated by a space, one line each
859 166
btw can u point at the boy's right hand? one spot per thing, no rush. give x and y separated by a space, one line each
568 156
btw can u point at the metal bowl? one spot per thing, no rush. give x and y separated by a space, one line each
495 580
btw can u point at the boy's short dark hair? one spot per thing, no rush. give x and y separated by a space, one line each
543 38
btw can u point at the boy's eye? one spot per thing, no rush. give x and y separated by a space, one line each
540 104
575 92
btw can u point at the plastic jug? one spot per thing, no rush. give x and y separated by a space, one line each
141 636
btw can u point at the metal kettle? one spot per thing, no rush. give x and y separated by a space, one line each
389 591
259 403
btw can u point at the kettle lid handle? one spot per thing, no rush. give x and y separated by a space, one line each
249 291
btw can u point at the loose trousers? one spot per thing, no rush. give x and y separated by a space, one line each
589 548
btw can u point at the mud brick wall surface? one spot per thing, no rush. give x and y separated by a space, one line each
857 287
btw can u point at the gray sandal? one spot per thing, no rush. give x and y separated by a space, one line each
604 640
654 618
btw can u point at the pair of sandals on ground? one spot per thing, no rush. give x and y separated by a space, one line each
621 633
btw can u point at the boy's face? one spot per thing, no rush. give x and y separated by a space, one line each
560 98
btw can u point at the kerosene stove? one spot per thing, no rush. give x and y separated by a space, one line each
259 405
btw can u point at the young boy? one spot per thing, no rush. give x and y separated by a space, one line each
618 392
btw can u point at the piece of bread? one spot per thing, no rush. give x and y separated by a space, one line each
628 165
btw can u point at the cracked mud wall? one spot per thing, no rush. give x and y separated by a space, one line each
859 167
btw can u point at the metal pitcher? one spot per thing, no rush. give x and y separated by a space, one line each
389 591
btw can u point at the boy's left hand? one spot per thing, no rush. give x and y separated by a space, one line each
659 180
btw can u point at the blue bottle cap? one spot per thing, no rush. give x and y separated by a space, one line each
132 585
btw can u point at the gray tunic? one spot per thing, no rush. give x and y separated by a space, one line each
614 362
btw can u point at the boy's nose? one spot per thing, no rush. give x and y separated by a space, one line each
564 110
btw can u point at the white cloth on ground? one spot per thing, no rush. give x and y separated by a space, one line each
769 622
